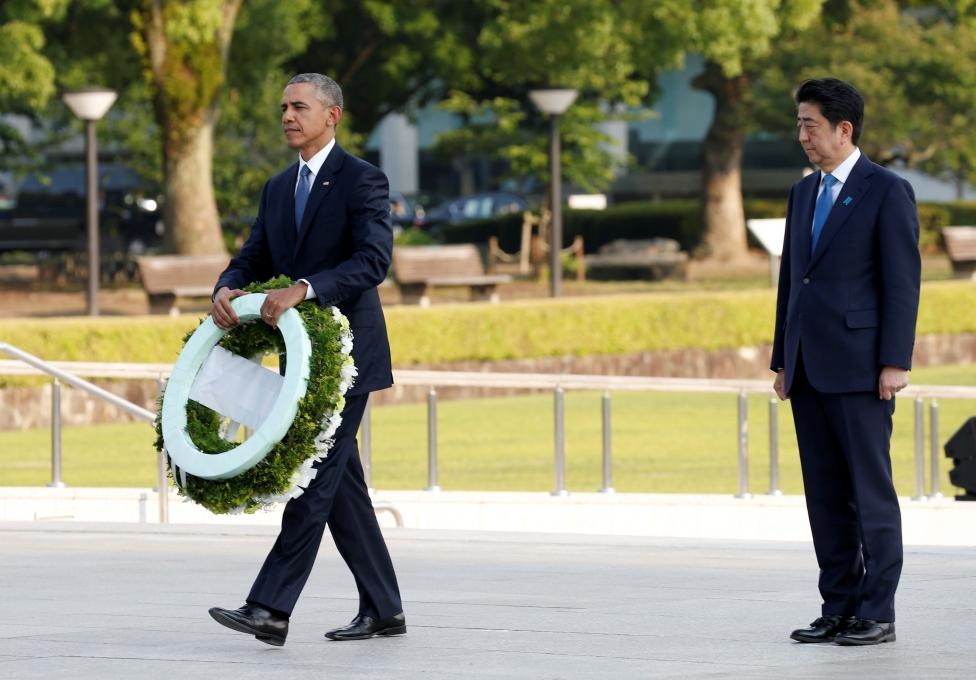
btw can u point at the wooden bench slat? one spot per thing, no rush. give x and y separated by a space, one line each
166 277
419 268
960 242
469 280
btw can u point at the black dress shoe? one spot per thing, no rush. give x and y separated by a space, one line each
867 632
824 629
363 627
255 620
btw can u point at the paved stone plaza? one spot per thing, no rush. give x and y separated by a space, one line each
96 601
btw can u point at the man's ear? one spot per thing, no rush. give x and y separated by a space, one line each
335 115
847 129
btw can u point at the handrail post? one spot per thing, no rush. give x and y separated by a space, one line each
162 482
56 434
432 441
774 447
366 443
935 482
559 441
607 446
919 450
743 446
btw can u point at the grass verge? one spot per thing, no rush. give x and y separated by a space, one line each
661 443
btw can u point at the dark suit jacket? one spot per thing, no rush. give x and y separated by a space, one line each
343 249
851 306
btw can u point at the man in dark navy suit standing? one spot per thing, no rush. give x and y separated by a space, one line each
845 330
324 222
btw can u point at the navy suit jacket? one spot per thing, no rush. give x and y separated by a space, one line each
343 249
850 307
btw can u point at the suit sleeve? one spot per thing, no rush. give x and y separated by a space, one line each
253 263
371 234
778 360
900 274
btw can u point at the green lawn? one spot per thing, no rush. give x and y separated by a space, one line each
661 443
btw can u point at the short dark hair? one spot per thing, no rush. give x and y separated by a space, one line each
838 101
327 90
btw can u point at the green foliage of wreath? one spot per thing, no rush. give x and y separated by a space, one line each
274 474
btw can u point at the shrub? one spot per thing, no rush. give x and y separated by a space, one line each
679 220
585 326
414 237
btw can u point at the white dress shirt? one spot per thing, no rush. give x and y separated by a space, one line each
840 173
314 165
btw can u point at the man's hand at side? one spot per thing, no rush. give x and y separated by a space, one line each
893 379
779 385
280 300
223 314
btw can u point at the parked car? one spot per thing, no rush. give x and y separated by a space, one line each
48 213
402 209
408 209
473 207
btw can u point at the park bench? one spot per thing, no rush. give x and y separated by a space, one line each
419 269
168 277
648 259
960 243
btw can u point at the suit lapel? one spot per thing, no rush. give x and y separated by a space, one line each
324 182
806 197
286 215
850 195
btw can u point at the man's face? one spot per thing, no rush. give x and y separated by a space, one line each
826 146
308 124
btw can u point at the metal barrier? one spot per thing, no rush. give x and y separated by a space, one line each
557 383
607 449
774 447
59 372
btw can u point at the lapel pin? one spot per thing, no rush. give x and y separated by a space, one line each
325 183
848 200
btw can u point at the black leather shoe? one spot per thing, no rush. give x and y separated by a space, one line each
824 629
363 627
867 632
254 620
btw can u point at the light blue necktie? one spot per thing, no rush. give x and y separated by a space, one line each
301 195
820 211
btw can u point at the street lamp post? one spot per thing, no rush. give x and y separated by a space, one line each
91 104
553 103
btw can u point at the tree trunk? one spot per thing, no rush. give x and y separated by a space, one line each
190 210
723 217
187 73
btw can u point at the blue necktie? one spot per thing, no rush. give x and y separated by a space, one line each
820 211
301 195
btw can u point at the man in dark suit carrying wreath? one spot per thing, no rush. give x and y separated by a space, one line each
325 223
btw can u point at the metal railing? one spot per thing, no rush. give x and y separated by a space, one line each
67 372
558 384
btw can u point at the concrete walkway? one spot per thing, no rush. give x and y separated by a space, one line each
942 521
86 601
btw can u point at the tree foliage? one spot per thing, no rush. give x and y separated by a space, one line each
525 45
915 65
26 75
914 60
738 41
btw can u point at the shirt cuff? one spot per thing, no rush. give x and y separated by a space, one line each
310 293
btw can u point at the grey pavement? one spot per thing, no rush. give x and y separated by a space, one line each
94 601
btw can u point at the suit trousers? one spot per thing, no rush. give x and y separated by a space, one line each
337 496
855 519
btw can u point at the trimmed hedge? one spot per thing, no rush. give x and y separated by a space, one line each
585 326
679 220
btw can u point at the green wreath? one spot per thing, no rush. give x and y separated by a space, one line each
287 468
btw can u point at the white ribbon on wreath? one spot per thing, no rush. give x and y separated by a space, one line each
275 404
